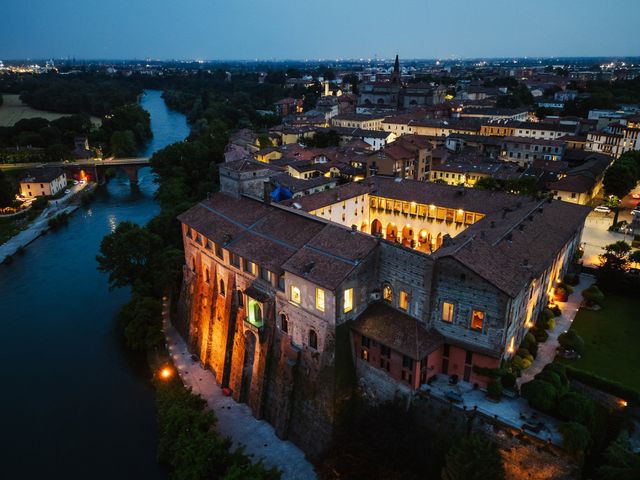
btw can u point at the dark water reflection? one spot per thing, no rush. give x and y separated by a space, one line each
73 402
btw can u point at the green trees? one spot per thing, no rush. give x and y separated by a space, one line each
623 175
140 321
593 295
575 437
123 144
620 462
189 444
473 458
7 191
126 255
541 395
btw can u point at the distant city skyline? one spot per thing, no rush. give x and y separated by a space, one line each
329 30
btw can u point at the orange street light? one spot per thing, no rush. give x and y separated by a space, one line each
166 373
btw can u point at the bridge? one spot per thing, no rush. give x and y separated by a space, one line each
93 168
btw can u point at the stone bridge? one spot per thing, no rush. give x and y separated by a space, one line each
91 169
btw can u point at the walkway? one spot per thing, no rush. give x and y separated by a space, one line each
547 350
235 419
40 224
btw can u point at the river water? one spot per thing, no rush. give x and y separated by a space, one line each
73 402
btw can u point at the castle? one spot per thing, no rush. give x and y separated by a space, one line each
381 283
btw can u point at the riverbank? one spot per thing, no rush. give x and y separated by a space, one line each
13 110
40 225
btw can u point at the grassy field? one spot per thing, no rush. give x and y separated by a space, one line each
13 110
611 340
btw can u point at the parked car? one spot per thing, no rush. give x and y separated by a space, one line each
602 209
636 211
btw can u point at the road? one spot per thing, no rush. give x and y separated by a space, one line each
79 163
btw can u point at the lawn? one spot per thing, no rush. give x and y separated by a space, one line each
611 340
13 110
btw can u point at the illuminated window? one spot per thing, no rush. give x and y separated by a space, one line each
255 313
364 348
404 300
447 312
265 274
249 267
387 293
320 299
313 339
348 300
295 294
477 319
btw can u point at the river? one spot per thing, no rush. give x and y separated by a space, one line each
73 402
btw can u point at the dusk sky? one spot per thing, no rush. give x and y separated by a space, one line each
302 29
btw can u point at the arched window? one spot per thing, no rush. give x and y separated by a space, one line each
257 312
387 293
206 275
284 323
240 298
222 292
313 339
193 264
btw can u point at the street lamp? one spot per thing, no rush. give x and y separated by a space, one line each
166 373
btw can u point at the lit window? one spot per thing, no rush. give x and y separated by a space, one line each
477 319
320 299
404 300
387 293
447 312
295 295
348 300
265 274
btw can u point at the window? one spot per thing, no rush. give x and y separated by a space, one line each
222 292
240 298
206 275
387 293
284 323
249 267
348 300
477 319
320 299
447 312
189 234
313 339
295 294
365 341
209 245
199 239
404 300
255 313
219 252
265 274
468 357
235 260
385 357
281 283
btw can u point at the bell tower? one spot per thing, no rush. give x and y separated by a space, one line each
395 76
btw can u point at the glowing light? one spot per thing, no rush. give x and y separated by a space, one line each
166 373
623 403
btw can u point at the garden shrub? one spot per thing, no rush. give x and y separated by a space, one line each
559 370
517 362
571 341
494 389
539 333
541 395
606 385
575 437
556 311
553 379
593 295
526 363
565 287
508 380
576 407
522 352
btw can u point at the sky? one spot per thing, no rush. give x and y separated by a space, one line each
318 29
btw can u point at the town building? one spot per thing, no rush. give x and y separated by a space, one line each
582 183
524 150
383 284
43 182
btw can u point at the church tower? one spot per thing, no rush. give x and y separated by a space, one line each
395 76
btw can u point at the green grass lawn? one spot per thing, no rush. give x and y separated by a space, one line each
611 338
